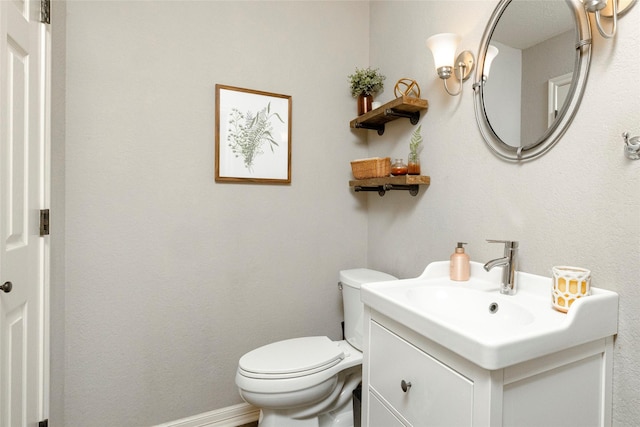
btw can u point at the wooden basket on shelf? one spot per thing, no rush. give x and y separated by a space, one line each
375 167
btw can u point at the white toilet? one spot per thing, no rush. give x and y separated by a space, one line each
308 382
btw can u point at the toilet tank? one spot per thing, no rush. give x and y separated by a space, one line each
350 281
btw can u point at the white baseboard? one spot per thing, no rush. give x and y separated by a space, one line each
231 416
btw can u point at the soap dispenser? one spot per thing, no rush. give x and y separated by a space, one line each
459 264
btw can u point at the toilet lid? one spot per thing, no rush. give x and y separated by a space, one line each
291 358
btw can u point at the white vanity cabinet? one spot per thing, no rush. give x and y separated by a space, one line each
567 388
430 388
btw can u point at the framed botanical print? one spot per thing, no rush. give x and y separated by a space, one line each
253 136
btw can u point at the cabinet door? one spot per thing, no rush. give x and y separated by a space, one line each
438 395
380 416
568 395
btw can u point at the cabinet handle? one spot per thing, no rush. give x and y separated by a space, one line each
405 386
6 287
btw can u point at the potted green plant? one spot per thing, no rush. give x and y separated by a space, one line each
414 145
365 83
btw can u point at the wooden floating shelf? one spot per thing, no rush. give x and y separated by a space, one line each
409 183
402 107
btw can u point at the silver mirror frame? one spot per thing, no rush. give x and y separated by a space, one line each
570 107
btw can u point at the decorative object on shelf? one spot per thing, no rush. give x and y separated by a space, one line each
399 168
413 164
375 167
253 136
632 146
414 157
365 104
365 83
407 87
443 47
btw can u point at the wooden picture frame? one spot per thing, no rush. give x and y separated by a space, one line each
253 136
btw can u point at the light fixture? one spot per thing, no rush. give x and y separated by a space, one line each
492 52
595 6
443 47
489 56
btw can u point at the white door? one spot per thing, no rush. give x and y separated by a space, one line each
558 91
23 192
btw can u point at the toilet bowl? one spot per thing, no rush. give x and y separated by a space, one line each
309 381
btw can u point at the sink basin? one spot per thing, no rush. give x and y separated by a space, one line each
456 305
486 327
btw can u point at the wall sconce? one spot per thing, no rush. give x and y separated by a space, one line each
595 6
491 54
443 47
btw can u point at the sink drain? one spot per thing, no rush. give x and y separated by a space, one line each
493 307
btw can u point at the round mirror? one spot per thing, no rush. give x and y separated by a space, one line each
527 96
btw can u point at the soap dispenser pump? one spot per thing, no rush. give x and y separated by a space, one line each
459 264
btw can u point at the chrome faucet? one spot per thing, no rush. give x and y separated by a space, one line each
509 263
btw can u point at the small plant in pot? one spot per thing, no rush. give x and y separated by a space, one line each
365 83
414 146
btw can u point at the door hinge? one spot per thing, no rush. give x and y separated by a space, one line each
43 423
44 222
45 11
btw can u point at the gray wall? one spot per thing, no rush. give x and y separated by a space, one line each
577 205
171 277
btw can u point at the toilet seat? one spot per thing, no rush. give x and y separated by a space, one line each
291 358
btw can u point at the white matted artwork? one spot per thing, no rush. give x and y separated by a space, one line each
253 136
